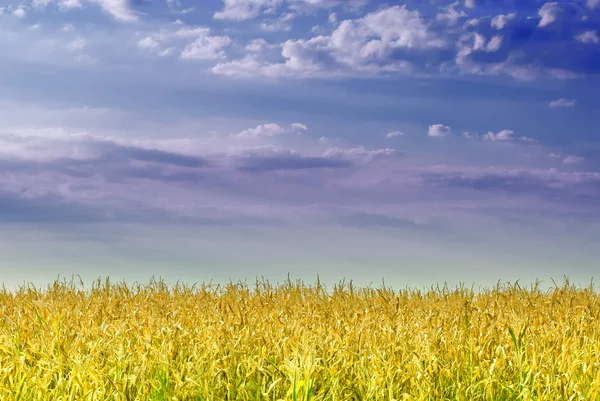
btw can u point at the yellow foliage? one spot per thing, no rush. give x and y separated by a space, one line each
297 342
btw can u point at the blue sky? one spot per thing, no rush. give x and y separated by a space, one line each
415 141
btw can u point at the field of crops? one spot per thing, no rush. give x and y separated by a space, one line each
298 342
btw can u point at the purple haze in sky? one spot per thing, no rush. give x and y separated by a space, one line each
419 142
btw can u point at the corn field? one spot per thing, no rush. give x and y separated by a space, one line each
291 341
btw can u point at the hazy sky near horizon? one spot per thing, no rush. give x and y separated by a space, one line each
416 141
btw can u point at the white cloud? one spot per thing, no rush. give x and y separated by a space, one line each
19 12
450 15
593 4
549 13
359 153
40 3
119 9
148 43
239 10
65 5
206 47
562 102
261 131
500 21
190 32
590 37
76 45
299 126
382 41
504 135
573 159
439 131
257 45
394 134
475 42
248 66
280 24
470 3
166 52
472 22
554 155
494 44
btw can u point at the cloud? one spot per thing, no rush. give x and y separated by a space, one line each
111 152
240 10
504 135
562 102
261 131
386 41
76 45
450 15
589 37
470 3
549 13
299 126
66 5
20 208
119 9
377 220
394 134
148 43
63 5
439 131
573 159
280 24
500 21
289 161
206 47
40 3
19 12
593 4
375 41
401 41
66 178
360 153
544 185
257 45
531 47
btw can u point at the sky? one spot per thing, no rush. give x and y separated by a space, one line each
408 142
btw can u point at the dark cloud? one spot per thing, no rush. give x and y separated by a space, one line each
565 189
17 208
111 151
289 162
113 160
